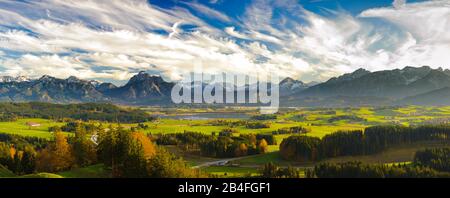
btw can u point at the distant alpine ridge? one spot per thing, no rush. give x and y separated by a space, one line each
410 85
141 89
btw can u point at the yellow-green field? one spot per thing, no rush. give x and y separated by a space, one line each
319 122
316 120
226 171
20 127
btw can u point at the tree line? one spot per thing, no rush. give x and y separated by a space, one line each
224 145
438 159
372 140
73 126
85 112
360 170
427 163
270 170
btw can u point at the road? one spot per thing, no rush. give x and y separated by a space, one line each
222 162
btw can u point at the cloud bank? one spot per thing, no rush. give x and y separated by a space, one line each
112 40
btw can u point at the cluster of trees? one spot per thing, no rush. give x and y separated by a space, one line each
300 148
23 141
17 160
269 138
264 117
189 141
245 123
73 126
270 170
57 156
372 140
8 117
224 146
18 153
217 146
427 163
128 153
438 159
132 154
291 130
378 138
228 132
327 112
139 127
229 123
64 153
257 125
85 112
360 170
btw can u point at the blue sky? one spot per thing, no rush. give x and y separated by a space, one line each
309 40
236 8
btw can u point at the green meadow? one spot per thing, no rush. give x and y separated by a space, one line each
318 121
20 127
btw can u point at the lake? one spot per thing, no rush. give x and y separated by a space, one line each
207 116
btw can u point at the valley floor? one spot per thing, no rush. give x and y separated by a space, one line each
318 121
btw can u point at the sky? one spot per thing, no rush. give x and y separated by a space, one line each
308 40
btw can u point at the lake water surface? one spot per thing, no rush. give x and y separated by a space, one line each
207 116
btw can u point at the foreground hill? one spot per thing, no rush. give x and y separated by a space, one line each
4 172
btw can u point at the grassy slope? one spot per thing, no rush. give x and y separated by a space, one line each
94 171
4 172
41 175
224 171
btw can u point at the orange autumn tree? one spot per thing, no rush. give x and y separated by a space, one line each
12 152
57 156
147 145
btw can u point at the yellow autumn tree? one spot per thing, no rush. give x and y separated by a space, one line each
57 156
241 150
263 146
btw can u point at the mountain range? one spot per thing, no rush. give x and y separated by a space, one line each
399 86
410 85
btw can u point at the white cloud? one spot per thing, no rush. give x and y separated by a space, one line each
232 32
63 67
398 4
427 25
115 39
